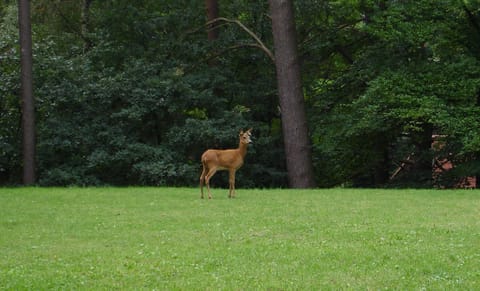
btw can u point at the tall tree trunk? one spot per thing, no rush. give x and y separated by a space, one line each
28 104
212 13
294 121
211 8
85 22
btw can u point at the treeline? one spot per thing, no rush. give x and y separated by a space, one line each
132 92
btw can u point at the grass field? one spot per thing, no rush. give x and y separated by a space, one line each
167 238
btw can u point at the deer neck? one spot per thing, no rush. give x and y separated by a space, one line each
242 148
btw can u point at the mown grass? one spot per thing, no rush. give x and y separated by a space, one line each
167 238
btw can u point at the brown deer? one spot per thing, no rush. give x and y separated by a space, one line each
231 160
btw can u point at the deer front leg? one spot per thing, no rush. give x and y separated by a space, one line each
231 180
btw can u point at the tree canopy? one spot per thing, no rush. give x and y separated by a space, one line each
126 93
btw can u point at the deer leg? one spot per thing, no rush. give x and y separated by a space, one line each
208 176
202 180
231 180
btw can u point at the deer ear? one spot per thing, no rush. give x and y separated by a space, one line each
249 129
241 132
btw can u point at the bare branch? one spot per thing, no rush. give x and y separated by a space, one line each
259 42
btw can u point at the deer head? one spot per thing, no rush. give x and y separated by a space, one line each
245 137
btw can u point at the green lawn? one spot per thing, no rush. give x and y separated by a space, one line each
167 238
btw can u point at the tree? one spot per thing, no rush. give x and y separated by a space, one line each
140 106
294 121
85 21
212 13
28 104
413 74
132 92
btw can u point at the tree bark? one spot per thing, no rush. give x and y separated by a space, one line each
211 8
85 22
28 104
212 13
294 121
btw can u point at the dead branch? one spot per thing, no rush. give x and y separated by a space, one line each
258 41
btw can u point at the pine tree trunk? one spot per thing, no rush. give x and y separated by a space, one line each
85 22
28 104
294 122
212 13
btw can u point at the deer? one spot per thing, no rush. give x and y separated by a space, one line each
231 160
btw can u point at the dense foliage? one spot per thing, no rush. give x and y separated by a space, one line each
408 70
133 93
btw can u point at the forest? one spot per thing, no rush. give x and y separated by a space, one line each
132 92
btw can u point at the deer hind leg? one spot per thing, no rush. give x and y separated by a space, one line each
231 180
208 176
202 179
